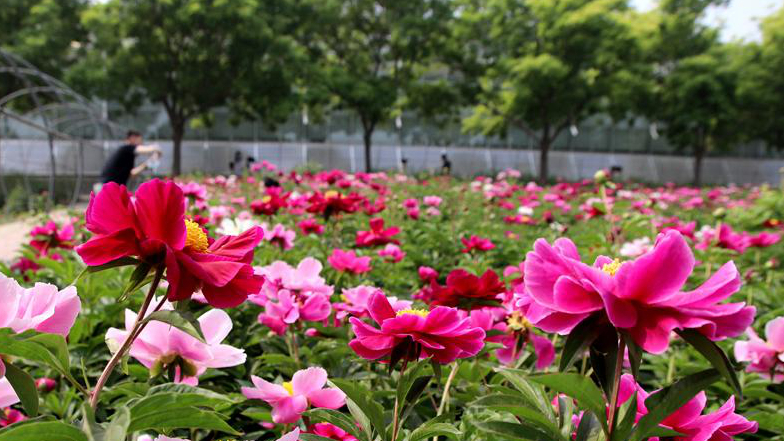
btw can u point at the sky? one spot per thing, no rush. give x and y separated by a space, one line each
738 20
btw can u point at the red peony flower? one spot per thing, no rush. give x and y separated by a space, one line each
476 243
333 202
271 202
152 227
377 234
466 290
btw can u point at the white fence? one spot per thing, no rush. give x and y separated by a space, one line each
31 157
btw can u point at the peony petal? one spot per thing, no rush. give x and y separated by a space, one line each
160 208
104 249
289 410
774 332
308 380
330 398
215 325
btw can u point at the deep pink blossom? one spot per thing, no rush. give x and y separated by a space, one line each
392 252
643 296
331 431
414 333
290 399
355 302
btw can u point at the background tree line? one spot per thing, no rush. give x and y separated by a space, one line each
537 65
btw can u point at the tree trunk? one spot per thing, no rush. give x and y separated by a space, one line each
367 136
178 130
699 154
544 150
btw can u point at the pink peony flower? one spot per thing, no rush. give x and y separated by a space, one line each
377 234
290 294
643 296
7 394
47 237
414 333
427 274
636 248
279 235
764 239
764 357
10 416
392 252
348 261
432 201
517 332
290 399
160 345
42 307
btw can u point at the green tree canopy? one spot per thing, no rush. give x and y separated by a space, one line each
545 64
190 56
365 54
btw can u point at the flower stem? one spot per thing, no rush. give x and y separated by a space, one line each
445 397
396 412
137 328
616 387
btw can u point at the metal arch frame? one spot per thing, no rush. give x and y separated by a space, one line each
58 112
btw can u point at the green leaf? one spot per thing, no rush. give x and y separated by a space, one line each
635 353
24 386
117 429
122 261
171 410
517 431
311 437
139 278
431 429
627 415
338 419
518 407
666 401
182 320
532 394
578 387
40 431
364 399
579 339
407 379
589 427
717 358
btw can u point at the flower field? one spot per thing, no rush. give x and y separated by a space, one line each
331 306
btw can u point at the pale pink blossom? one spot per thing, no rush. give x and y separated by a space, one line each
764 357
432 201
355 302
161 345
636 248
392 252
7 394
279 235
42 307
290 399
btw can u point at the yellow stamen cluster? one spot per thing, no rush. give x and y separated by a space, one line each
612 267
195 238
419 312
289 388
266 198
331 194
518 322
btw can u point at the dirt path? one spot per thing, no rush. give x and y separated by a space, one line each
16 233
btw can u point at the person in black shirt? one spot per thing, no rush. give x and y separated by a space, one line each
120 166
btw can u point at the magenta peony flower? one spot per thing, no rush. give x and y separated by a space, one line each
721 425
643 296
290 399
415 333
331 431
764 357
160 345
279 235
348 261
355 302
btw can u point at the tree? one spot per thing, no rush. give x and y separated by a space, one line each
698 107
46 33
189 56
691 84
365 54
761 85
542 65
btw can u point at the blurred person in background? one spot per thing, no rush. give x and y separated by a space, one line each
122 164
